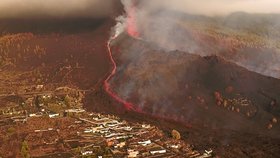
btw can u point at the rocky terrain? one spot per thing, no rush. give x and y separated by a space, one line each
213 102
182 85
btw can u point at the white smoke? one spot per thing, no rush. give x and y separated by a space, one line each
161 23
119 28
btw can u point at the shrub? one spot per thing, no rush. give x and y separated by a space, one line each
175 134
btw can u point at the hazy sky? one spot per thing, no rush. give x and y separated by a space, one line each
214 7
93 8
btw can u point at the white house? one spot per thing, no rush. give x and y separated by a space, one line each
36 115
146 126
53 115
128 128
88 130
145 143
161 151
75 110
132 153
174 146
120 145
87 153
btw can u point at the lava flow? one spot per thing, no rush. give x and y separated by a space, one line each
131 29
127 105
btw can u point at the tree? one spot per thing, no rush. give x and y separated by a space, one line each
11 130
68 100
175 134
78 150
25 150
107 151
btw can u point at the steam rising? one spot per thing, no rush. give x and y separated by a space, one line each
155 74
162 23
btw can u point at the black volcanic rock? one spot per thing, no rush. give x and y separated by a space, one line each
181 86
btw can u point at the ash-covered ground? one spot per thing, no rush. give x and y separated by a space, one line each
221 96
217 75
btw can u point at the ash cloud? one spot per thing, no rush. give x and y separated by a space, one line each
162 22
56 8
169 83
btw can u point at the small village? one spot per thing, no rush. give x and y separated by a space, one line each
56 125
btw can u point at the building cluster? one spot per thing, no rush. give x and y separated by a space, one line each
122 139
90 134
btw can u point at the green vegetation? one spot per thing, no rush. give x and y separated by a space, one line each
55 108
11 130
175 135
77 150
25 150
68 100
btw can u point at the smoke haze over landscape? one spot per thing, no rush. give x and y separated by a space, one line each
218 7
169 26
93 8
55 8
166 24
140 78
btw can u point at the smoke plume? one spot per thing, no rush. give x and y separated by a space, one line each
166 24
172 30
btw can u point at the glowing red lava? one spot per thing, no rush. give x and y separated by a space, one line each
131 29
131 22
133 32
127 105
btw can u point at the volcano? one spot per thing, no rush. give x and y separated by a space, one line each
198 85
217 85
182 86
208 93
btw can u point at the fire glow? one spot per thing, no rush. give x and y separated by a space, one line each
131 26
131 30
127 105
